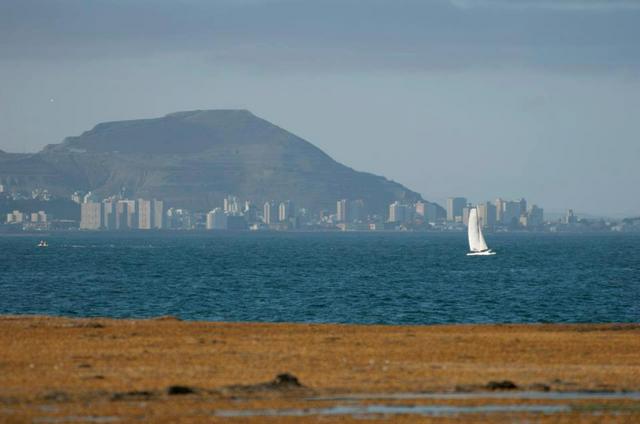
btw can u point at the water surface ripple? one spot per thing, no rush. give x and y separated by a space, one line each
392 278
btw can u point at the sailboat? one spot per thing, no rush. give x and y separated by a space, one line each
477 245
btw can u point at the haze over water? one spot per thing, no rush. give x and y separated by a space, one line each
325 277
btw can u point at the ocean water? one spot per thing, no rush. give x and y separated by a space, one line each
391 278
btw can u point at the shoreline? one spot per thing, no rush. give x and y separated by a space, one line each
75 366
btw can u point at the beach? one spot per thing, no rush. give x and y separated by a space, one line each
167 370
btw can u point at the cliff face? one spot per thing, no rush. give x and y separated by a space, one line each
194 159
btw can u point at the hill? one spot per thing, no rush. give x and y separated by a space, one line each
194 159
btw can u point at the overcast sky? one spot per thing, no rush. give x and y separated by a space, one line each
481 98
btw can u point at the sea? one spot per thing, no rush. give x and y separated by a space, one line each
365 278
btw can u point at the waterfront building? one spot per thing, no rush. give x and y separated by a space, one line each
428 211
523 206
250 211
500 205
570 218
487 215
341 210
511 212
39 217
109 214
455 205
179 219
15 217
286 211
231 205
349 211
535 217
145 215
270 213
217 220
158 213
91 216
399 213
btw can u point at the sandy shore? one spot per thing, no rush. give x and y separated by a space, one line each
166 370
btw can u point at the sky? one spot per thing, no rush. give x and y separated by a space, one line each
477 98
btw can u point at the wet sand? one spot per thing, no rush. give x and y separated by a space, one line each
166 370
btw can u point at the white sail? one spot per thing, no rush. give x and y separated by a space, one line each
476 240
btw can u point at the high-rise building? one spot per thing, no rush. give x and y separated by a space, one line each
286 211
91 216
231 205
121 215
465 214
399 213
500 205
511 214
1 188
535 217
179 219
217 220
39 217
157 207
428 211
454 208
349 211
270 213
487 214
570 218
15 217
145 214
109 214
523 206
342 210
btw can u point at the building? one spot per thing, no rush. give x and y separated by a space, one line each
523 206
487 215
126 216
145 214
270 213
158 212
217 220
511 212
250 211
500 204
1 188
455 205
179 219
286 211
91 216
349 211
399 213
535 217
16 217
428 211
342 210
109 214
570 217
39 217
231 205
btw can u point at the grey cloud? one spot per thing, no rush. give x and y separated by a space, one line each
333 34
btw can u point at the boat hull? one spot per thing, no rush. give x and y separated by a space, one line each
485 253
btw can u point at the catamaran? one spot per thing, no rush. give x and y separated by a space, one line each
477 245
